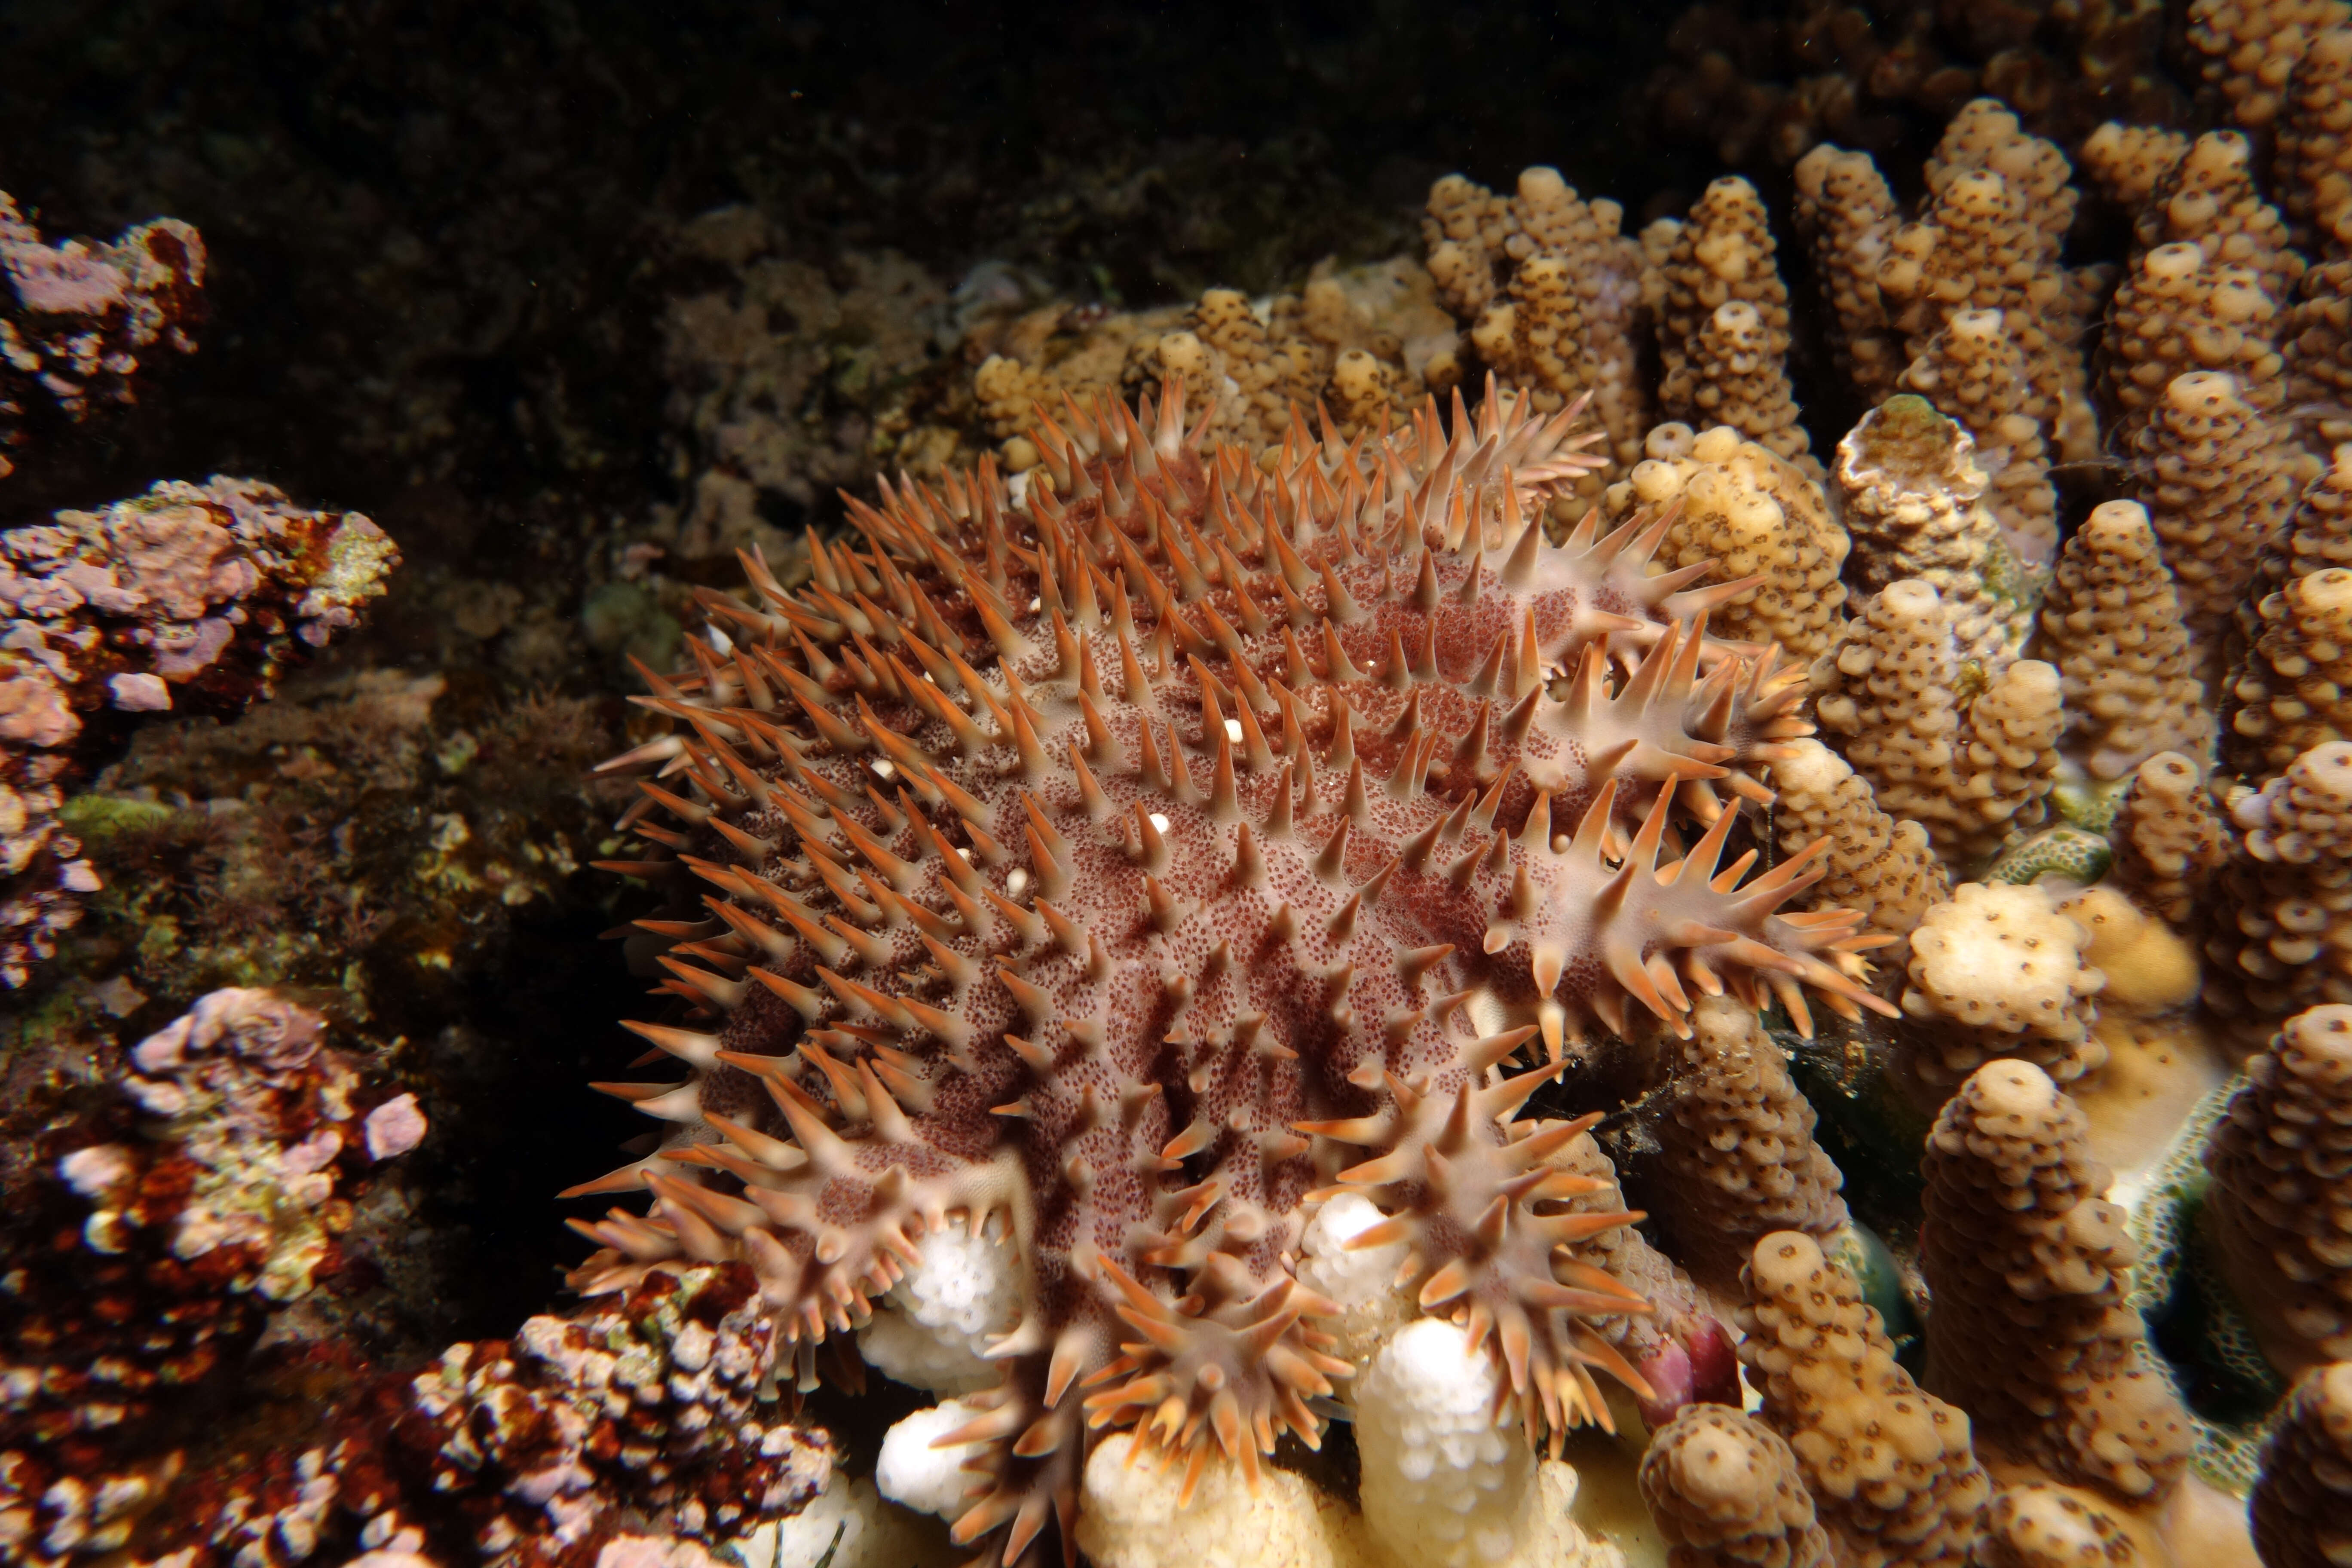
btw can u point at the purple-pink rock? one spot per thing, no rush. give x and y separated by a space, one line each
80 318
189 595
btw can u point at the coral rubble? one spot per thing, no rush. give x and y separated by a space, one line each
654 1406
229 1197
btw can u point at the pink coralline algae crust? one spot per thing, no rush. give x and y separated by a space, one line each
159 1253
78 319
188 595
1139 852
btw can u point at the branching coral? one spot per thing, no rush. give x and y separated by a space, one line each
2176 313
2127 163
194 596
1443 1481
2207 198
2316 340
1884 868
2276 1208
2301 1507
2112 624
1174 915
2313 161
2250 49
1724 1492
2271 938
82 320
1553 293
2318 535
1128 892
1974 372
1999 971
2219 488
1848 218
1913 493
1738 379
1354 343
1137 1515
2030 1334
1737 1159
1753 514
1996 209
1762 88
1973 760
2169 840
2288 696
1891 1468
1723 324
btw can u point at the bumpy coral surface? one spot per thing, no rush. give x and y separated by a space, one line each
1886 869
1848 217
2302 1506
1725 1493
2287 696
2274 936
2169 840
2220 489
1971 760
2053 1527
1999 971
2027 1262
1754 514
1740 1160
2276 1206
1912 489
1131 857
1890 1466
2111 626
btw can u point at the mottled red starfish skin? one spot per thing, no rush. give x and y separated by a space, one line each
1131 862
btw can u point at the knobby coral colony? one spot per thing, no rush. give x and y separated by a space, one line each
1135 856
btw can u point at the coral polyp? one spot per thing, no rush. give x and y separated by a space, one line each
1128 861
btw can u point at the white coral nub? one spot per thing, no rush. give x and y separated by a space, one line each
934 1333
915 1473
1444 1482
1362 1280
